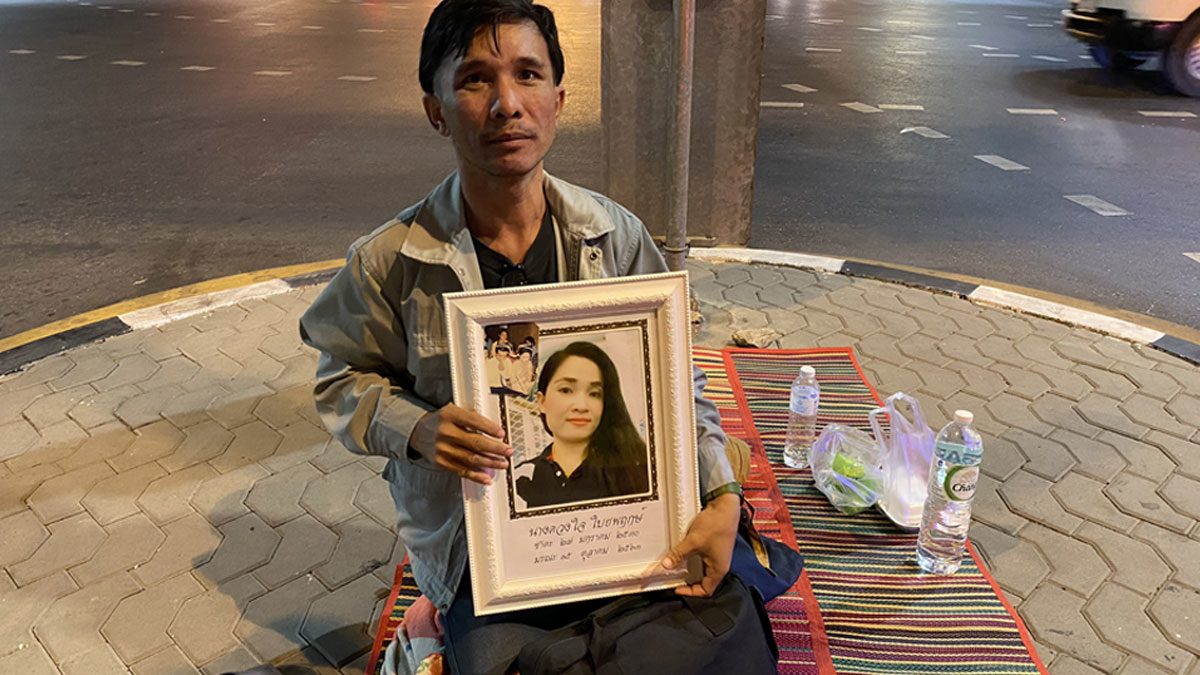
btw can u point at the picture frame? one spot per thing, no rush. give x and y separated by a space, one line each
601 485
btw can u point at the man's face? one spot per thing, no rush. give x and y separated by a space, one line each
498 103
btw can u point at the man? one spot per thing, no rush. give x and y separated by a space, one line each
492 74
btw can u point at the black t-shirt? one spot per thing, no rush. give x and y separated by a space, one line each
539 267
550 485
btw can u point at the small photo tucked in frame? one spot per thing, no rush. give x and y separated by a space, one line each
580 425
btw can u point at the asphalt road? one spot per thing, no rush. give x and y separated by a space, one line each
200 139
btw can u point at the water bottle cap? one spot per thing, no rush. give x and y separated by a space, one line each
808 370
964 416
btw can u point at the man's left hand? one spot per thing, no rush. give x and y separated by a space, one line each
712 535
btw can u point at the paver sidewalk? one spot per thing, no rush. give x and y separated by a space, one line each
169 501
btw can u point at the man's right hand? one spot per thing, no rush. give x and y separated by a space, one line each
462 441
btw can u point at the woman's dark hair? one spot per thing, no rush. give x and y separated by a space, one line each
616 441
453 24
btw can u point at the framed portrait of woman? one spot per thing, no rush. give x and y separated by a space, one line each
592 383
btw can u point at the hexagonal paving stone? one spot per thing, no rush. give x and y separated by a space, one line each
190 542
1030 496
363 546
1118 614
1056 617
247 543
306 545
150 443
138 626
1177 610
336 624
222 499
71 542
59 497
1139 498
23 534
1014 562
1179 551
301 442
203 629
1075 564
201 443
15 488
130 542
1185 454
1085 498
169 661
1105 412
1047 458
277 498
167 498
115 498
330 498
270 626
1152 414
23 607
1183 494
72 624
107 441
1134 564
1144 459
1094 458
251 442
32 660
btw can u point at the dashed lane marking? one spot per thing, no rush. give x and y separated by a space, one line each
1015 17
923 37
869 29
799 88
356 78
184 17
124 62
1183 114
273 73
219 20
986 48
856 106
899 22
198 69
827 22
1039 25
1051 59
313 27
1001 163
995 55
125 11
901 106
969 23
21 52
1193 256
1031 111
265 24
372 30
823 50
71 57
781 104
924 132
1097 205
151 14
911 52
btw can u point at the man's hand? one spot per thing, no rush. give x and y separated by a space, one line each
712 535
462 441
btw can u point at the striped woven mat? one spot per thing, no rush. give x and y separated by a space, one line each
860 606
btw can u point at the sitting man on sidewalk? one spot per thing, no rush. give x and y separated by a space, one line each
492 72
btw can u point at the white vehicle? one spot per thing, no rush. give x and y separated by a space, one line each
1124 34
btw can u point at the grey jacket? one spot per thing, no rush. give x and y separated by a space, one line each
380 328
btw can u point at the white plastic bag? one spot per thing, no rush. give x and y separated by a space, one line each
908 452
847 467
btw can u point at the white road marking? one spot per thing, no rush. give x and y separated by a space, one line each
923 37
21 52
899 22
71 57
1002 163
1039 25
356 78
827 22
1051 59
273 73
969 23
985 48
781 104
1166 113
150 14
1002 56
823 50
104 7
125 11
265 24
85 4
1085 57
313 27
911 52
1098 205
924 132
1015 17
220 20
184 17
1193 256
901 106
870 29
372 30
198 69
1032 111
799 88
127 63
861 107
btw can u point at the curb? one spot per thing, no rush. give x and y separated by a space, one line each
154 310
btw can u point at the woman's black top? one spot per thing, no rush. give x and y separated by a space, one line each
550 485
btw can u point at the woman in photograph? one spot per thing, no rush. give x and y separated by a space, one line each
596 452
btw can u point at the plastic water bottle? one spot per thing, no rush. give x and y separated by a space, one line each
802 418
952 480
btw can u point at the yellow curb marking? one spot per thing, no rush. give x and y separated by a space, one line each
189 291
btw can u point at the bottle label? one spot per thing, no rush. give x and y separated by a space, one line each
805 403
961 482
956 453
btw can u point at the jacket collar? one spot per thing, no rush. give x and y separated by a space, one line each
438 233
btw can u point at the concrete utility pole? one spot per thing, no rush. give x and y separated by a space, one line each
681 134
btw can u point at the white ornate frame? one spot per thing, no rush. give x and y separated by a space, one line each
663 300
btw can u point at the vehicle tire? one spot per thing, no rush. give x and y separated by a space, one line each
1108 59
1182 60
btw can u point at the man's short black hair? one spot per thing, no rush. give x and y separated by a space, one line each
453 25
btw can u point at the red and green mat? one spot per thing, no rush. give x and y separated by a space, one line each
861 605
